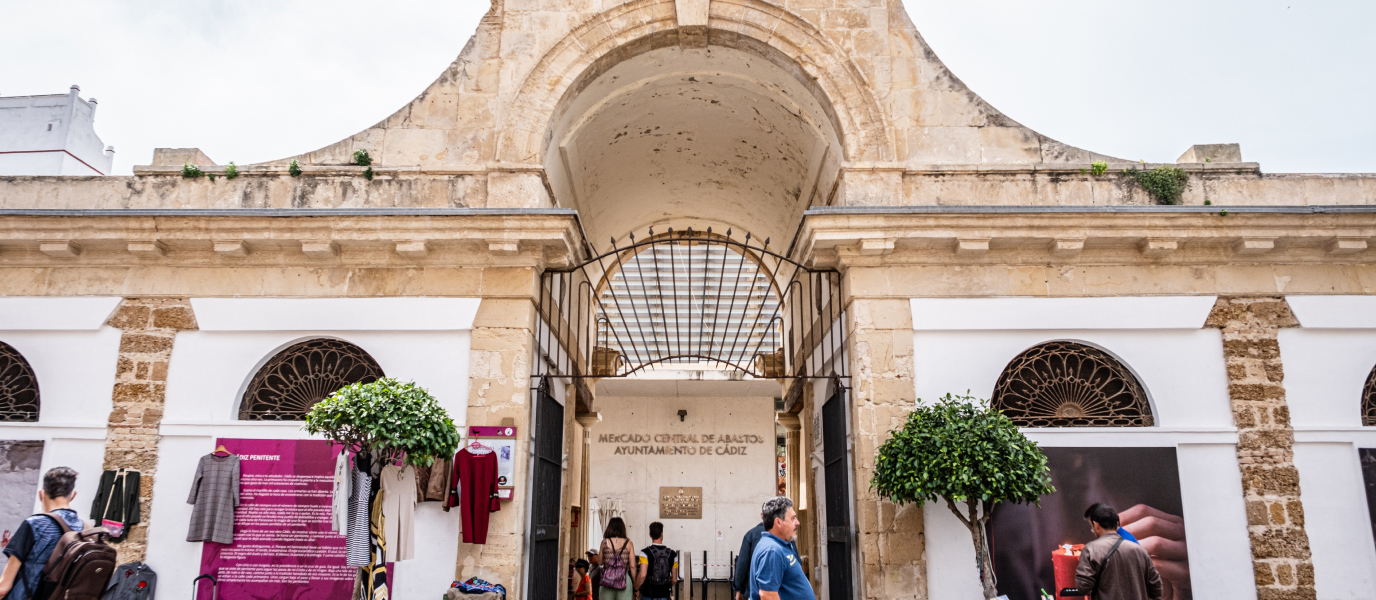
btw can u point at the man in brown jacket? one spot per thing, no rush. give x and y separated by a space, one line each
1112 568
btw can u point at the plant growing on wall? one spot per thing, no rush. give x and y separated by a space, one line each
368 173
191 171
1098 167
1165 184
231 170
294 168
362 159
961 451
389 418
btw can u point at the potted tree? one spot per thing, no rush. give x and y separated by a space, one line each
968 454
388 418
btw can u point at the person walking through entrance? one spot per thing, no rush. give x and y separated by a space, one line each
1110 569
741 583
616 582
658 571
776 571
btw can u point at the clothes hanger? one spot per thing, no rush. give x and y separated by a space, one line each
476 447
221 448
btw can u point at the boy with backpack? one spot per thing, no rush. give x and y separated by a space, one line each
33 543
658 570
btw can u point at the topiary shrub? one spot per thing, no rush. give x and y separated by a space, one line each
960 450
389 418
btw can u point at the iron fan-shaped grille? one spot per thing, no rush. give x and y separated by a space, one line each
18 387
1369 400
292 382
1064 384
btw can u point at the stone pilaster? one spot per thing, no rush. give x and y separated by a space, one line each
1281 560
891 539
150 326
499 389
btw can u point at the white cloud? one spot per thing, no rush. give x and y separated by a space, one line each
255 80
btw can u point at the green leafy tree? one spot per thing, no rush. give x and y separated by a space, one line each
962 451
389 418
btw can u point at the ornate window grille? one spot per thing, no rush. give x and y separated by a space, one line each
1369 400
292 382
18 387
1065 384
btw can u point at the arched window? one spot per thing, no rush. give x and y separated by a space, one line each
1065 384
1369 400
292 382
18 387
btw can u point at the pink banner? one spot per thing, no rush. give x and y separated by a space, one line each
283 547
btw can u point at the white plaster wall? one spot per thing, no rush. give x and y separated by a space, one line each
210 369
24 126
1327 362
964 344
733 487
1181 369
73 355
1335 510
1325 370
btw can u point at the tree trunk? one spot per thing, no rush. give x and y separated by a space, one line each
975 523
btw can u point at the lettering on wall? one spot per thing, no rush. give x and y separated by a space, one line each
681 444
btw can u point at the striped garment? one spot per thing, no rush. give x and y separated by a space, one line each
356 540
376 578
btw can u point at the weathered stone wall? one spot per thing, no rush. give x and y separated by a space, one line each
891 538
499 389
150 326
1270 481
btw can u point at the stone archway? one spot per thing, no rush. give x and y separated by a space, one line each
628 29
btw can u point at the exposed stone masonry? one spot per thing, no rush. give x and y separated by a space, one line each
892 539
131 439
1281 561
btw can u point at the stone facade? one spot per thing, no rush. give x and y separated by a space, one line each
880 343
1270 482
150 327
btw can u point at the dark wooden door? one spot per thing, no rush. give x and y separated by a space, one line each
840 539
547 486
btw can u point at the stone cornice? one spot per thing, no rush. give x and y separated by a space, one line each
290 237
875 236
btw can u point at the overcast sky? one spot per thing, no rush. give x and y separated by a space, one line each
1293 81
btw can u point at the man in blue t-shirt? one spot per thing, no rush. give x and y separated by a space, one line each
32 544
776 570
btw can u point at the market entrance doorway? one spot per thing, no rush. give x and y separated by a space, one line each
713 337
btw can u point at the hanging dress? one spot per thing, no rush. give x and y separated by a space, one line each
376 572
356 541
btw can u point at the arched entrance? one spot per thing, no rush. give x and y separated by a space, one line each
691 154
691 304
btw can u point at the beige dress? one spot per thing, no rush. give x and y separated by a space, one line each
399 511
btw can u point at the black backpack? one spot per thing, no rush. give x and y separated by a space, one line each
661 571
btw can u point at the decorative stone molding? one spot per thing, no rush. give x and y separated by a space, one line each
131 440
269 237
413 249
148 249
319 248
1254 245
59 248
972 246
1281 559
1158 247
1346 245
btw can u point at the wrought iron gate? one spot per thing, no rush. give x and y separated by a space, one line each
836 469
690 300
546 494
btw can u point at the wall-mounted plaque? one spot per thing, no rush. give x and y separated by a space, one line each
680 503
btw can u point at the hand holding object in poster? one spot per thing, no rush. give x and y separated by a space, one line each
1162 535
